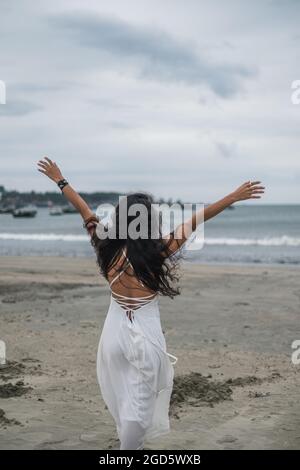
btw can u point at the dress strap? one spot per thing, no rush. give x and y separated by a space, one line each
129 263
125 256
123 270
117 277
130 304
173 357
133 298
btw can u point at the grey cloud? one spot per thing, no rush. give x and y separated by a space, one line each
227 149
157 55
18 108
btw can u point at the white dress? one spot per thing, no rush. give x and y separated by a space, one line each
134 369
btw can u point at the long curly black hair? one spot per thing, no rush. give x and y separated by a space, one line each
149 253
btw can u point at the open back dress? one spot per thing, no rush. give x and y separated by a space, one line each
135 372
134 369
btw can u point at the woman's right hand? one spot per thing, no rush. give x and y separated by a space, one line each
248 190
50 169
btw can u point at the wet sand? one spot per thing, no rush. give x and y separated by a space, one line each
231 329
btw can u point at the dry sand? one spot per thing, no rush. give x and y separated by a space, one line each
231 329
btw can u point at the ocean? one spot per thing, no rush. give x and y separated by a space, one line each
267 234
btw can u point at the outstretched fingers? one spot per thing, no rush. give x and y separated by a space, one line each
249 190
256 190
44 165
46 162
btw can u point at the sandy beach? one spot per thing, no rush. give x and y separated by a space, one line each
231 329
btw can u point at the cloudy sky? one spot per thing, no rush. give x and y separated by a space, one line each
182 98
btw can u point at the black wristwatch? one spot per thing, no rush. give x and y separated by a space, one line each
62 183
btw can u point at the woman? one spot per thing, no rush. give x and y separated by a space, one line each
134 369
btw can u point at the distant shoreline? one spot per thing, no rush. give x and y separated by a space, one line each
95 198
185 262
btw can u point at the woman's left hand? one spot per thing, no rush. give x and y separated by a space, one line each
248 190
50 169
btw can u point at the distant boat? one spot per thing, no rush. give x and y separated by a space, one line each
7 209
56 210
26 211
69 210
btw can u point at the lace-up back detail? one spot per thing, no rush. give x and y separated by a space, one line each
129 303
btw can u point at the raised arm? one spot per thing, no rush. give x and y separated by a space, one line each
50 169
248 190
